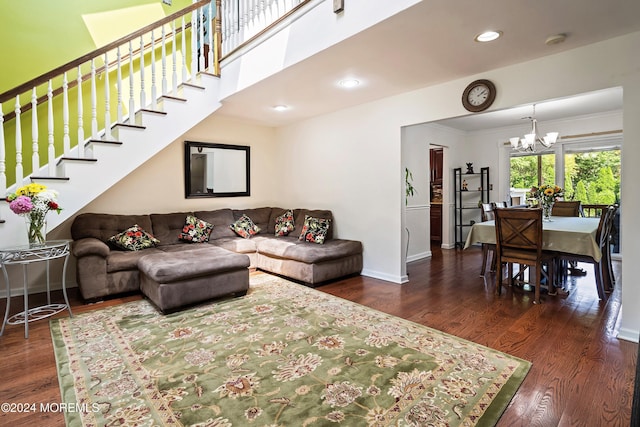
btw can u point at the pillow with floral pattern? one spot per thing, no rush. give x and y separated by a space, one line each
133 239
195 230
244 227
285 223
314 229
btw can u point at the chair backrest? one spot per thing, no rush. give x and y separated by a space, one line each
500 204
487 212
566 208
519 229
604 226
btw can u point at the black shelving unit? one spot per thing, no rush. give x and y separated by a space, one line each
467 211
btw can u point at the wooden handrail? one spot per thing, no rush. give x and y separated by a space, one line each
44 78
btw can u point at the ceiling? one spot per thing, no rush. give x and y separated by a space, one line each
431 43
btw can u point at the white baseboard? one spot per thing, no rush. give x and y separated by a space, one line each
421 255
629 334
386 277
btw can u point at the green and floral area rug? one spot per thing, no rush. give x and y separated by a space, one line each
283 355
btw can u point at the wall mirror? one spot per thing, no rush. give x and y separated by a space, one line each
216 170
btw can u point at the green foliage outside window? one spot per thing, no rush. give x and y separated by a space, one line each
591 177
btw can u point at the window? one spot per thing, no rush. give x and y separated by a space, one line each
587 169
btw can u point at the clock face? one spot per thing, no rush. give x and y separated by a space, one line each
478 95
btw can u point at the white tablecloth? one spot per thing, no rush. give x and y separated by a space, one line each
574 235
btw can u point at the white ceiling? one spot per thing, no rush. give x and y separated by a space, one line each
432 42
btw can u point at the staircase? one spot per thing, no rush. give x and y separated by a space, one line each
160 109
81 180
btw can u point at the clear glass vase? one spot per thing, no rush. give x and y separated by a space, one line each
36 229
547 207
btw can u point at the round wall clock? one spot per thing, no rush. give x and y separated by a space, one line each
479 95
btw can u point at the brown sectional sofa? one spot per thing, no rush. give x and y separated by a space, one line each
102 270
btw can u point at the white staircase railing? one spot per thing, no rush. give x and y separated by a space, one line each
100 90
243 20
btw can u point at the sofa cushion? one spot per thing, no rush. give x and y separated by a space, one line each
220 218
103 226
133 238
314 229
168 227
122 261
241 246
195 230
207 260
284 223
245 227
289 247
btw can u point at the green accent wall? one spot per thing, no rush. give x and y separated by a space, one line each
45 35
41 35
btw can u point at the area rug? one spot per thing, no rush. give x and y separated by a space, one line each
283 355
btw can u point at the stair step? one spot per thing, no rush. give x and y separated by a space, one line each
193 86
49 178
102 141
75 159
130 126
173 98
158 112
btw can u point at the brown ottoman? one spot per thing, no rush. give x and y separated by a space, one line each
176 279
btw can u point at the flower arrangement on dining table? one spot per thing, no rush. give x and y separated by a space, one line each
34 201
546 195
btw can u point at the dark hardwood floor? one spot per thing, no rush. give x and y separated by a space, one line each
582 375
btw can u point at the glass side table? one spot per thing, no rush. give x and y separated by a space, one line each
29 254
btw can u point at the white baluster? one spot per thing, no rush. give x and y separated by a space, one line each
212 29
119 83
35 156
143 94
132 102
200 36
51 150
80 116
3 160
154 93
184 52
174 55
19 171
164 62
94 101
66 140
194 43
107 100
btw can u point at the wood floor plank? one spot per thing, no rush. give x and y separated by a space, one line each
582 375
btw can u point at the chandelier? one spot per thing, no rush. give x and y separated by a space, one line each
528 143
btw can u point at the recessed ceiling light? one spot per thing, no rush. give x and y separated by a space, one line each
280 107
488 36
349 83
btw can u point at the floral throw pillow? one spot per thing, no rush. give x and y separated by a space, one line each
244 227
195 230
314 229
133 239
284 223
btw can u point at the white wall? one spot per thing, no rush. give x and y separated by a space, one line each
351 160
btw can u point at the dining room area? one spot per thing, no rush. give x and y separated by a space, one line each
543 248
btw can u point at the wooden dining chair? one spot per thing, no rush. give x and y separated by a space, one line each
570 208
519 241
487 215
602 268
566 208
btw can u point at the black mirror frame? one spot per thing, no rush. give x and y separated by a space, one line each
188 145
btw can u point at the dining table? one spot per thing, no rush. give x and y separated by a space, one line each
572 235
